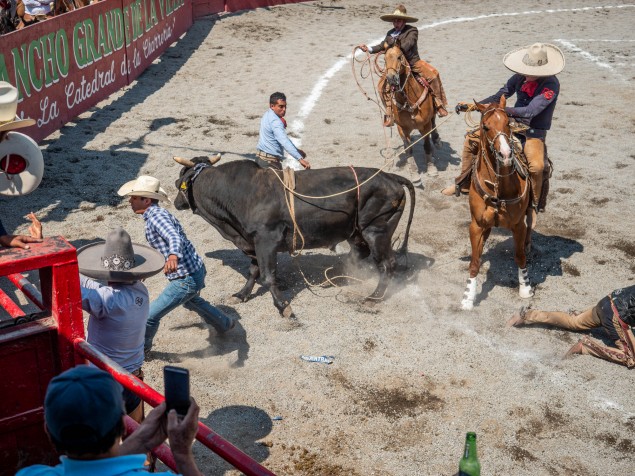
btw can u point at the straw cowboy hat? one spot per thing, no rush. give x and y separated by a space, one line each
118 259
21 164
8 109
399 14
539 59
144 186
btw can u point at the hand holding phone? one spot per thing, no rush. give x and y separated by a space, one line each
176 382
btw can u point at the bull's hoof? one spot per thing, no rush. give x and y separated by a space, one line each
287 312
235 299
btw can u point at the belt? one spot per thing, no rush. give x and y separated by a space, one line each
264 155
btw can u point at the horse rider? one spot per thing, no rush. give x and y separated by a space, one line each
615 313
536 87
424 72
273 140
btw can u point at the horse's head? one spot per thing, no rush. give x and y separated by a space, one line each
495 131
396 63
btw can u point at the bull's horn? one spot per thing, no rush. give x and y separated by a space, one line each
183 161
213 160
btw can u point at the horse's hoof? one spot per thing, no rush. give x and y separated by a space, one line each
467 305
525 292
432 170
233 300
287 312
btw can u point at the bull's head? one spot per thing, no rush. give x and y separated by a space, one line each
183 183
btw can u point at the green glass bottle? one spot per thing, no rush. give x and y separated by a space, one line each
469 464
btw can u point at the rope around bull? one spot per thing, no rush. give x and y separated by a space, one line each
373 69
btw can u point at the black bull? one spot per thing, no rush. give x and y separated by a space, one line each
246 204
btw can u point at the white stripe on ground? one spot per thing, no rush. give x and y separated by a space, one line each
309 103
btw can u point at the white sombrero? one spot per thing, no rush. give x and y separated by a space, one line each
119 259
399 14
8 109
144 186
21 164
539 59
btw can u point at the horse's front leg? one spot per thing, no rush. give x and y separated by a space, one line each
431 168
520 232
478 236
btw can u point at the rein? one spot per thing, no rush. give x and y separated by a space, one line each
406 106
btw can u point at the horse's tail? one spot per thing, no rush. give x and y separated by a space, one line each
408 184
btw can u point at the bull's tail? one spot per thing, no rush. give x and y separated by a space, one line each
408 184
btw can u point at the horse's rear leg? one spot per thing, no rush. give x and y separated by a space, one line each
413 168
478 236
520 233
427 148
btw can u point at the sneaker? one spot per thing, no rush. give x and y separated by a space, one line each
231 326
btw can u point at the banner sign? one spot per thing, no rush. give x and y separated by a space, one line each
67 64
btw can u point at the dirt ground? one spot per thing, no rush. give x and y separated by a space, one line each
414 373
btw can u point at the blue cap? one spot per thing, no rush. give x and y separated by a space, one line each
83 396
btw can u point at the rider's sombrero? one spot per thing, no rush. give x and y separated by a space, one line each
8 108
119 259
399 14
539 59
21 164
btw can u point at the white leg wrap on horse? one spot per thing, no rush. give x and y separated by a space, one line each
467 304
432 169
524 289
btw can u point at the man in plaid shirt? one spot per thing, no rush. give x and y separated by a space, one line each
184 268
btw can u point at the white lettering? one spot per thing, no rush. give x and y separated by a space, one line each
86 89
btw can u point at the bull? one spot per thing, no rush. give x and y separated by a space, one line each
248 206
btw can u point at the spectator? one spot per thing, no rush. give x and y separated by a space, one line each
184 268
22 241
119 310
84 417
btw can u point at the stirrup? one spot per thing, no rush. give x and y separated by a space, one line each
388 120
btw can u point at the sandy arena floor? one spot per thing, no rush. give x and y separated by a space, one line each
413 374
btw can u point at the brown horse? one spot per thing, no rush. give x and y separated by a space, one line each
499 196
412 105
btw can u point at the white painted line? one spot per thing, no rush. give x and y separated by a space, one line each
586 55
308 104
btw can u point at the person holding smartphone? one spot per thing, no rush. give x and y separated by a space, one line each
84 418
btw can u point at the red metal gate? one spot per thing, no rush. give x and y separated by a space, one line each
35 347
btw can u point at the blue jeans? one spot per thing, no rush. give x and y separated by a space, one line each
185 291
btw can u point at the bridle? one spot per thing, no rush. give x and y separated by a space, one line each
406 106
488 144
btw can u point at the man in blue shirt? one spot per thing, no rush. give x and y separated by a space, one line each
536 88
273 140
84 416
184 268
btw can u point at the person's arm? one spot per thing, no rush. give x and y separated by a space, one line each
165 228
181 434
150 434
95 297
538 104
16 241
281 136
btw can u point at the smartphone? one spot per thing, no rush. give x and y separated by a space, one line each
176 383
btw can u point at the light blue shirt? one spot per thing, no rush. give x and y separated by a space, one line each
118 316
273 138
119 465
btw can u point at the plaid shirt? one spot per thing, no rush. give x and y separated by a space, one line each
165 234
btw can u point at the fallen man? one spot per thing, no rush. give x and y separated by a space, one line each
615 313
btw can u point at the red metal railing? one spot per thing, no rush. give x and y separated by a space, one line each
205 435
